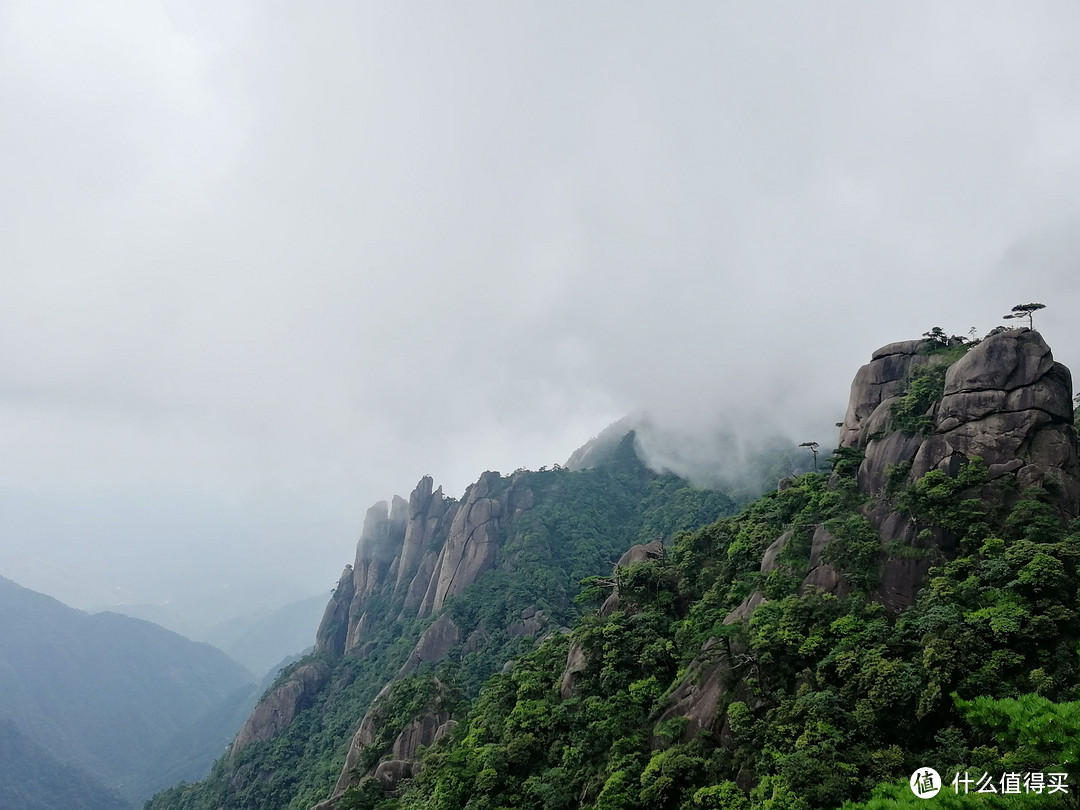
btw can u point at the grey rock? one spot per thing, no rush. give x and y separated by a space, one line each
280 707
641 553
476 640
575 665
746 608
422 732
821 574
470 548
533 625
875 383
391 772
1006 361
334 627
1006 401
611 604
696 697
433 645
769 561
902 347
444 729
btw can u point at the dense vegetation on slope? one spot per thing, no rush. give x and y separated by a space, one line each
823 697
581 522
914 607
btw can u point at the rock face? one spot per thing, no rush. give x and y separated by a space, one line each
421 732
419 554
1006 401
277 709
876 384
411 558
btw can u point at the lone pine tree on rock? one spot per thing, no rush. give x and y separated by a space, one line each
1022 310
813 446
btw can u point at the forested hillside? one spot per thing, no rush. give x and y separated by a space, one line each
914 605
442 595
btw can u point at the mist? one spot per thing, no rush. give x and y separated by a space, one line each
266 265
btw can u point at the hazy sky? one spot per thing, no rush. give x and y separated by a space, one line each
266 263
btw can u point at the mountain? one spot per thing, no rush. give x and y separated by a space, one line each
915 607
188 754
563 639
442 593
102 692
31 779
261 640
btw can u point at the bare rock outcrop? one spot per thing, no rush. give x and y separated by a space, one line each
334 627
533 622
643 552
1006 401
411 557
472 544
433 645
575 665
876 383
821 574
711 683
282 704
769 562
419 553
576 659
422 732
391 772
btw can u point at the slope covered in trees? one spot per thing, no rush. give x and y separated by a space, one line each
813 701
914 605
554 528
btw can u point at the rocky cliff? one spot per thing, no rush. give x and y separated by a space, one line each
442 594
411 557
918 407
915 408
795 652
414 556
1005 401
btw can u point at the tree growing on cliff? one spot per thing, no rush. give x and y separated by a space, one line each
1024 310
813 447
937 335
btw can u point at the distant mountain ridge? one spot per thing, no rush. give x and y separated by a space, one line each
32 779
102 692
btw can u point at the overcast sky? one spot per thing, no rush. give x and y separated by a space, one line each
267 263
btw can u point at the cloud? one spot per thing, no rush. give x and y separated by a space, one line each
292 258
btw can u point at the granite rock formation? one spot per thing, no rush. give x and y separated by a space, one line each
1005 401
412 556
419 554
278 708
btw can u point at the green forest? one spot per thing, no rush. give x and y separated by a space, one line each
828 700
583 521
712 672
